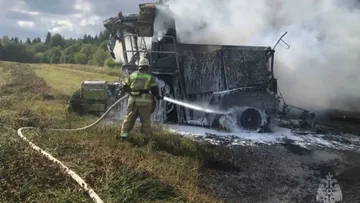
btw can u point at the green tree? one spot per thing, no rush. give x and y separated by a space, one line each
103 36
2 49
70 42
55 54
52 55
5 41
36 40
89 50
45 58
110 63
56 49
80 58
37 57
87 39
103 45
40 47
68 53
17 52
99 57
30 50
57 41
48 38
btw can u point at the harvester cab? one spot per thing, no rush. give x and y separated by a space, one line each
138 38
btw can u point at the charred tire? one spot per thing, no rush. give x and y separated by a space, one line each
250 119
243 118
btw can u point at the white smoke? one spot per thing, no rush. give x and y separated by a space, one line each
130 46
118 51
320 70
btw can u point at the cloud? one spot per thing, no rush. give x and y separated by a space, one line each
71 18
83 6
26 24
31 13
62 7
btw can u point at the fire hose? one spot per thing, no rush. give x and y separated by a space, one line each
95 197
75 176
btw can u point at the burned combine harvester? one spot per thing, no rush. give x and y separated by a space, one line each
238 80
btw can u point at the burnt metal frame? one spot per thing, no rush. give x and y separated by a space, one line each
137 51
151 51
183 93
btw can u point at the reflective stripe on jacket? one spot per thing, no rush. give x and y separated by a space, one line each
140 82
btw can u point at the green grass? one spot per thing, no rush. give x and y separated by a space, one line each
166 169
65 80
26 176
91 69
2 76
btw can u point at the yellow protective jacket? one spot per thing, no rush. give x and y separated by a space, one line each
140 84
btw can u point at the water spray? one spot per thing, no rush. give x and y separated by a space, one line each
234 119
194 107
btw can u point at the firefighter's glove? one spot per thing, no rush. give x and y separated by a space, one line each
159 97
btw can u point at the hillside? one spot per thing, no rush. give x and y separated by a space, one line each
167 169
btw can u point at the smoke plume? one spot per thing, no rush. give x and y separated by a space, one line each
130 45
320 70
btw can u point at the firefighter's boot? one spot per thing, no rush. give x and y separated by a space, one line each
122 136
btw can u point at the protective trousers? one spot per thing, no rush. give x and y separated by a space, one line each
133 111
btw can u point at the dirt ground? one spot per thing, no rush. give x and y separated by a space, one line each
284 173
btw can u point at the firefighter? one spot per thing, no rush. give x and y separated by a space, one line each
139 85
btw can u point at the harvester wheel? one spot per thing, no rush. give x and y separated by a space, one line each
250 119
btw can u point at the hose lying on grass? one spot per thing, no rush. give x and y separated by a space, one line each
75 176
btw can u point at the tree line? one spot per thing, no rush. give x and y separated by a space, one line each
56 49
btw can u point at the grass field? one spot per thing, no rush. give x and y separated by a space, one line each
56 77
166 169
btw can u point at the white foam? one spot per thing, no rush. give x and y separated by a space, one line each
281 135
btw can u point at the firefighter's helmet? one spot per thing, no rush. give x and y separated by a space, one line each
144 63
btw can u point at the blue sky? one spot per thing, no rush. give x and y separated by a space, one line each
71 18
